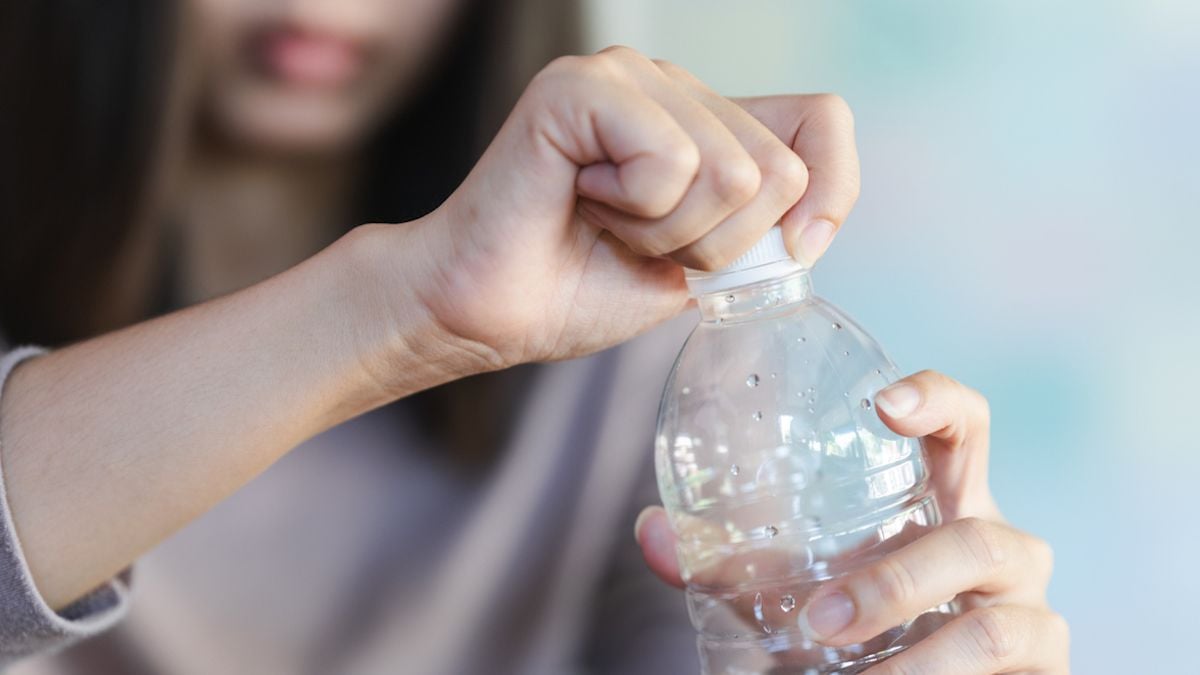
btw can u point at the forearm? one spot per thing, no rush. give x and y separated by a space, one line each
112 444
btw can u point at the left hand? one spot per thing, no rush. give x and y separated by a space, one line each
998 573
611 172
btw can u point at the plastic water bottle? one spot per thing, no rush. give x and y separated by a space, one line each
776 471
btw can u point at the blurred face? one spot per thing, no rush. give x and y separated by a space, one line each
311 76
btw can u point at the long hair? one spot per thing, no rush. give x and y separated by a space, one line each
86 89
84 101
81 140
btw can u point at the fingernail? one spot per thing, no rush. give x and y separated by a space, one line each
899 400
826 616
814 239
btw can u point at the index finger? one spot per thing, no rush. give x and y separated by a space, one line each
820 129
969 555
953 421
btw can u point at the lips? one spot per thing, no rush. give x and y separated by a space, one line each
307 58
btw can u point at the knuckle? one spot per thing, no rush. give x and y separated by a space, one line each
550 74
620 51
990 635
983 542
736 182
676 72
683 156
593 67
983 407
788 170
564 64
620 56
1060 628
668 67
1043 556
565 70
894 583
833 106
703 255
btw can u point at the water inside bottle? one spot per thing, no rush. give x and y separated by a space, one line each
775 489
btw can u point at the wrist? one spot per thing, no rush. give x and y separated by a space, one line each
387 274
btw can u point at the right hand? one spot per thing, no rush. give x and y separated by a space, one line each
611 172
998 573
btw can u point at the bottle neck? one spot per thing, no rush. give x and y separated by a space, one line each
742 303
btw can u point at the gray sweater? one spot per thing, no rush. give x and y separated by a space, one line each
362 552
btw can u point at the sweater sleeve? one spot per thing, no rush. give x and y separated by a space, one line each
27 624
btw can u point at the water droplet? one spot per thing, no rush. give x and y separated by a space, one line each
865 403
685 391
811 390
772 376
729 298
803 339
837 326
770 531
811 411
752 381
845 394
846 352
734 470
878 371
787 603
757 415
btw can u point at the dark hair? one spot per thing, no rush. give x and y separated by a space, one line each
84 86
82 130
419 156
426 150
82 134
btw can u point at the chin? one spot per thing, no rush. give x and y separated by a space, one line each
289 123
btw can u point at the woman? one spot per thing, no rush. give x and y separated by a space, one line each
565 239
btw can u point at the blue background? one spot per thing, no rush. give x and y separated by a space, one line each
1027 225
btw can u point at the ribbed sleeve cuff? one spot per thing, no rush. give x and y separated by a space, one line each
27 624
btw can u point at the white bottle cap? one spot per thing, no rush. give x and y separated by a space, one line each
768 259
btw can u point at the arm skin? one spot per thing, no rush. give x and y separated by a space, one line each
112 444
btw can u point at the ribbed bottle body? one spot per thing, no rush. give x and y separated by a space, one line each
779 476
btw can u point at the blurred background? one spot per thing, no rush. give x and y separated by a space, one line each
1028 224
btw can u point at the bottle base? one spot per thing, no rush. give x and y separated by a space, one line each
791 654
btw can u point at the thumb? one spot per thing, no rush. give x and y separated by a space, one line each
657 539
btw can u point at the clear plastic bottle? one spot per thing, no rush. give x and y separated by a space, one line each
776 471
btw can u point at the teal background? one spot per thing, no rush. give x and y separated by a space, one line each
1028 225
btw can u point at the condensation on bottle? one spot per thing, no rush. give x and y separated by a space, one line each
772 488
